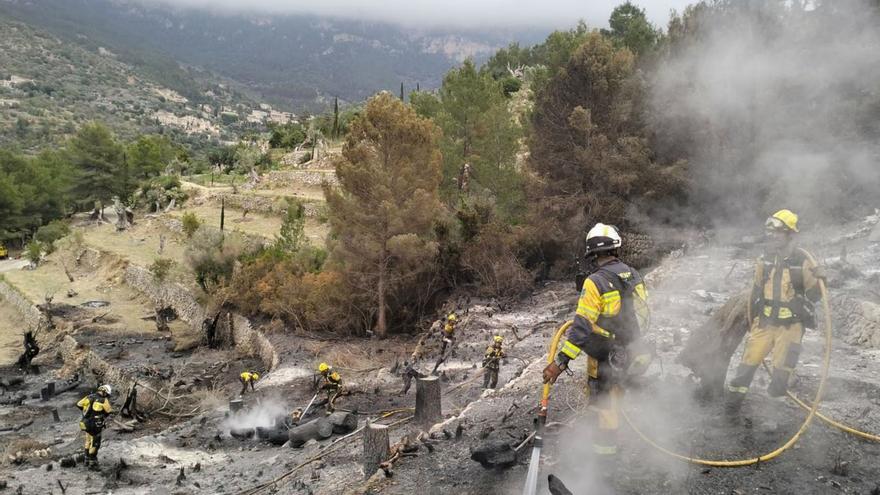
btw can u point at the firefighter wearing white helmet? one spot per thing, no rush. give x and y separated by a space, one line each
784 289
95 408
611 313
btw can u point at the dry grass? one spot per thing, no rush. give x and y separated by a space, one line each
11 332
24 446
254 224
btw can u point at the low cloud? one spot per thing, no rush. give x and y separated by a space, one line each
443 13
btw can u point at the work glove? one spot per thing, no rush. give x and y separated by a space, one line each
552 372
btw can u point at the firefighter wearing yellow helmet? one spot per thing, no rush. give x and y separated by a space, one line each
492 362
611 313
331 383
248 378
95 409
784 289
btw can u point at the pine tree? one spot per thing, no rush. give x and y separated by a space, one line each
97 160
382 214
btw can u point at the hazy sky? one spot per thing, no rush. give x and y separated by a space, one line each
460 13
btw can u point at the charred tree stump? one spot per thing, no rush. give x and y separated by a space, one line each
709 348
428 408
376 448
314 430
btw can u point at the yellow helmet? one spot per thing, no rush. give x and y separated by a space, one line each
323 367
255 376
782 219
499 339
451 317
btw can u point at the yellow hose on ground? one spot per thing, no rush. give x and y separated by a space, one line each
848 429
826 361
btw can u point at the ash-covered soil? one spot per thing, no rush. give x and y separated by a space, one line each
685 289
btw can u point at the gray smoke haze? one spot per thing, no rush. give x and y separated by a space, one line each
444 13
777 108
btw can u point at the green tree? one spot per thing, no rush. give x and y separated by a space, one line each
382 213
148 156
478 129
97 160
588 150
630 28
292 235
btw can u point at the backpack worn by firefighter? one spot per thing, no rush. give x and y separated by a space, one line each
95 409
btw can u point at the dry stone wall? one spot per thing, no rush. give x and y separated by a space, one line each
248 340
32 317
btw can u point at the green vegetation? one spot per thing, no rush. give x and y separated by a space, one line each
478 130
161 268
190 223
51 232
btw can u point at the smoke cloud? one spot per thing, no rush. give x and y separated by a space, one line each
775 107
260 414
439 13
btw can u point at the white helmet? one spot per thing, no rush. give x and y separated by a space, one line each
107 389
602 238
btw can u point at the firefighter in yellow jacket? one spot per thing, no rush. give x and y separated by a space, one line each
781 306
332 384
612 310
95 408
248 378
492 362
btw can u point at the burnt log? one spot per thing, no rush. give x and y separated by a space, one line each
343 422
318 429
428 407
242 433
277 436
376 448
494 454
557 487
709 349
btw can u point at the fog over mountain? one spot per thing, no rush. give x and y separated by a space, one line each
443 13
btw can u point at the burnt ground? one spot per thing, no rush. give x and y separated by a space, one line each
685 288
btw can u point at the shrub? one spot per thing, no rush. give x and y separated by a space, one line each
212 256
160 268
51 232
511 85
34 252
190 223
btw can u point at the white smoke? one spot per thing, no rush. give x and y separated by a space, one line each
775 106
256 413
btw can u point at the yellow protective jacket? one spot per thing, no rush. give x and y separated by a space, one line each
612 309
784 289
95 409
332 380
494 354
246 377
449 329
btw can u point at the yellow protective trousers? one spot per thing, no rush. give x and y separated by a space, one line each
605 400
784 342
